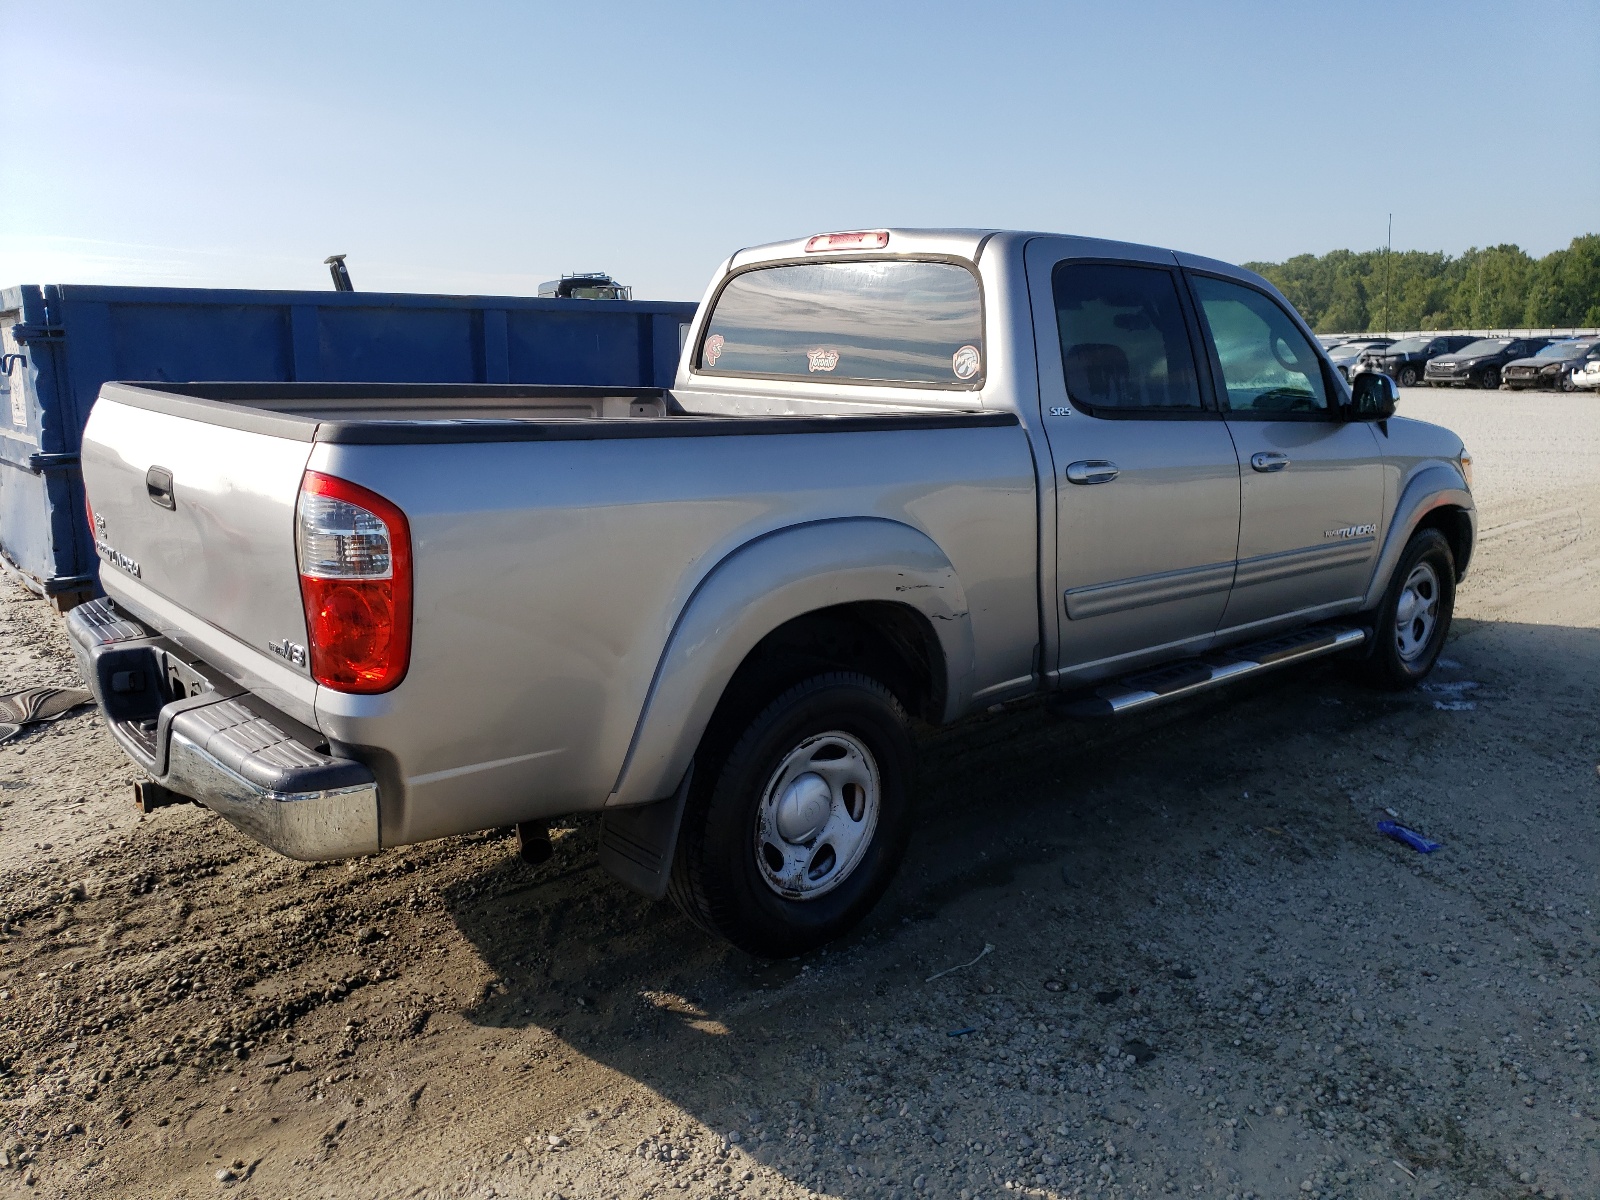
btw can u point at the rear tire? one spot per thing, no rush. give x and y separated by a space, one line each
791 836
1412 623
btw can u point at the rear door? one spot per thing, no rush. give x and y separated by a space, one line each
1311 494
1147 482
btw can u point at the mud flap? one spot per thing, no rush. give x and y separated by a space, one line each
637 843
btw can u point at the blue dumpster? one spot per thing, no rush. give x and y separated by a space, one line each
58 344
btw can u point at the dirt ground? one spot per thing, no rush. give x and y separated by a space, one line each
1202 971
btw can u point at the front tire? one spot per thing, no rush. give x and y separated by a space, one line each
1412 623
1408 377
791 836
1490 379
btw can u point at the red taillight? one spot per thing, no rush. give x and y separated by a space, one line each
856 239
354 551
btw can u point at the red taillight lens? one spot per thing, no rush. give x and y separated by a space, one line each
856 239
354 551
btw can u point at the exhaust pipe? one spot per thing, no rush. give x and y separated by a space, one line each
340 273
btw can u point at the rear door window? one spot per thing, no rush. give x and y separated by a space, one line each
1125 346
917 324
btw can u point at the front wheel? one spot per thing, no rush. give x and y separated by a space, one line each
1490 379
1410 626
792 836
1408 377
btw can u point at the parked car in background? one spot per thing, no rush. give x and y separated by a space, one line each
1403 361
1345 355
1587 376
1479 363
1553 366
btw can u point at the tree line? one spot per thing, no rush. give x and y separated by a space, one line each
1499 287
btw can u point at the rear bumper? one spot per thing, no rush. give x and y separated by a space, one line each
201 736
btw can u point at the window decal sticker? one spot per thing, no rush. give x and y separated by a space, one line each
713 350
965 362
821 359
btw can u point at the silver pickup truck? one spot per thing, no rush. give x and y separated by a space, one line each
901 475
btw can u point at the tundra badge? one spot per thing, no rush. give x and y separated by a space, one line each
1350 531
108 552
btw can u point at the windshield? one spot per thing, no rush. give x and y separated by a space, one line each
1483 346
889 321
1409 346
1565 350
1353 349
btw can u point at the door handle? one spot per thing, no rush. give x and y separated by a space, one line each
158 482
1268 461
1092 470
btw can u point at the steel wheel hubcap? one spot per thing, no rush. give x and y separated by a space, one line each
1418 611
818 813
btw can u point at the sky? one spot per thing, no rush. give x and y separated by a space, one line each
481 147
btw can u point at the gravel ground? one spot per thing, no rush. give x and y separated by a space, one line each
1191 967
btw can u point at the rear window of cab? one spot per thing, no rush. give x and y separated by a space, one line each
911 323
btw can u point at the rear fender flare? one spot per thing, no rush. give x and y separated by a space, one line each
1433 487
760 586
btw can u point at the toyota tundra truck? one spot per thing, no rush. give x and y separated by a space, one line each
902 475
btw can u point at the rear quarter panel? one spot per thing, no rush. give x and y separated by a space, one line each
549 577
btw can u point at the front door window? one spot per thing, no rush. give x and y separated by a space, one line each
1268 366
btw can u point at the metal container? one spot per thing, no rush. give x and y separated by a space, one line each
58 344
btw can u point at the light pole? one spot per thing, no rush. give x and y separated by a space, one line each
1388 248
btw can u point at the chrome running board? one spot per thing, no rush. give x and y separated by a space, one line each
1134 693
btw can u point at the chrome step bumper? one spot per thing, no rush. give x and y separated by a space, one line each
1135 693
215 745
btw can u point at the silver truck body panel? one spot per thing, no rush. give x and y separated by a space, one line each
590 571
1307 532
549 578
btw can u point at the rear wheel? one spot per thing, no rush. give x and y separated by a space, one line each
1408 377
792 835
1410 626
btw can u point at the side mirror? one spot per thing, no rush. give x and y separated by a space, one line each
1373 396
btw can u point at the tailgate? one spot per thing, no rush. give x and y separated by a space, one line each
194 528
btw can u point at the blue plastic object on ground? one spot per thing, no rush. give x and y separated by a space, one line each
1409 836
59 343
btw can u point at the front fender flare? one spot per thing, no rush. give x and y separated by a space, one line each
1432 487
758 587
